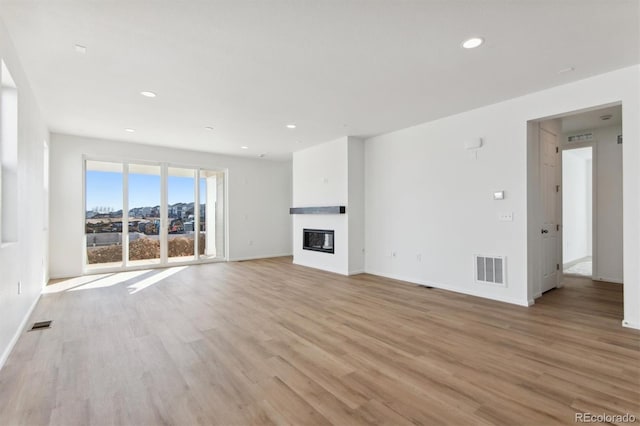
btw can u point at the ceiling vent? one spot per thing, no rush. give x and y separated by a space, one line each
490 270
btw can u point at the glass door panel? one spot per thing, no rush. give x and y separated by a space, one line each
103 213
144 214
181 214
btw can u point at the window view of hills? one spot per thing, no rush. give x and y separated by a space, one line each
182 238
145 220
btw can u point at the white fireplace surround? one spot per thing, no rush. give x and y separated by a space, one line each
331 174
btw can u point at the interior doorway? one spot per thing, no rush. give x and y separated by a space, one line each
575 198
577 211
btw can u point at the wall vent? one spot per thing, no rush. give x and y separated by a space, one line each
584 137
490 270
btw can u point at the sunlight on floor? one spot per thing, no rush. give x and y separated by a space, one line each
92 282
154 279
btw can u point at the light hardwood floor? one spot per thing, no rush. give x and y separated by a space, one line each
267 342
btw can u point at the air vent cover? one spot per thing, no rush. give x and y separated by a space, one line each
584 137
41 325
490 270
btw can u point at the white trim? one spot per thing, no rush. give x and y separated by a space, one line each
18 333
479 294
265 256
125 214
117 269
225 219
196 215
357 272
608 280
629 324
164 214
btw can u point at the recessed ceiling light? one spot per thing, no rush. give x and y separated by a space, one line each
148 94
564 70
130 130
244 147
208 128
261 155
80 49
606 117
472 43
291 126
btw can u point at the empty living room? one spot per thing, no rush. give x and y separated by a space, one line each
319 212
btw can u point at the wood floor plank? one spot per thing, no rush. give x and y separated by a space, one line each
267 342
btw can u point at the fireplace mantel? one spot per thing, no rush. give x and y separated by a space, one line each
318 210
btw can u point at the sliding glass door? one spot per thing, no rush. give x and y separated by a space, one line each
150 214
103 213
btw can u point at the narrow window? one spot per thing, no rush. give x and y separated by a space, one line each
8 157
211 214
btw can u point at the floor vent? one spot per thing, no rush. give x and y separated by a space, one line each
41 325
490 270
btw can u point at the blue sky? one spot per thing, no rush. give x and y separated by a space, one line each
105 189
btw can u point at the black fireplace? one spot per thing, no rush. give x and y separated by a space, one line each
318 240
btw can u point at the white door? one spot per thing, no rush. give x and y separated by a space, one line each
549 188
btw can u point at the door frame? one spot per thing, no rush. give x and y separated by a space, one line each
558 207
534 264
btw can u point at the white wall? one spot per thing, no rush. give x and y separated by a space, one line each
331 174
589 201
576 205
609 205
355 213
424 195
259 195
24 260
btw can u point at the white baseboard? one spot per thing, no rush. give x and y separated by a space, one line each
265 256
629 324
18 333
608 280
509 300
357 272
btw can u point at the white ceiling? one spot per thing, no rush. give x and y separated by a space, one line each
334 68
